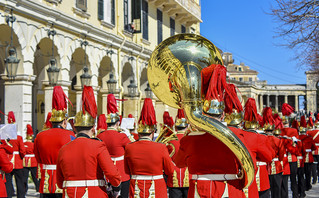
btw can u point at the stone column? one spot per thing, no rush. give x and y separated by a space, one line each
18 98
48 91
296 103
268 97
261 103
104 103
286 98
130 106
276 102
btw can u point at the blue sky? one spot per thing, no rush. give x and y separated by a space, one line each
244 29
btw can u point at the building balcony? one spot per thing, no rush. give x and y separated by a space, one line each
186 11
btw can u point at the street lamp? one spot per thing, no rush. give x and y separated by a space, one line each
12 61
85 77
53 70
132 88
148 91
111 84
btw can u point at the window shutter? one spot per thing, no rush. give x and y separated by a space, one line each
113 12
126 15
100 9
183 29
81 4
159 26
172 26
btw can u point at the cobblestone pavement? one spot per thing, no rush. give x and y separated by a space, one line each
313 193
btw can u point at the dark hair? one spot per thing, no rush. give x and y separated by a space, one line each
56 124
83 128
144 134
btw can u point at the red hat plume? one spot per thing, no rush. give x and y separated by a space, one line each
286 109
303 122
167 119
130 116
88 101
267 116
59 99
180 114
295 124
148 116
317 117
47 123
217 82
11 117
278 121
251 110
310 121
29 130
231 100
111 104
101 122
260 120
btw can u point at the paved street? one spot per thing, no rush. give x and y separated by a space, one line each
313 193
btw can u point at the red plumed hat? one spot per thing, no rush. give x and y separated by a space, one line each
130 116
59 99
278 121
48 124
180 120
148 118
317 117
269 122
310 122
86 117
214 82
111 104
303 122
167 119
180 113
11 117
101 123
251 110
295 124
29 129
286 109
88 101
231 100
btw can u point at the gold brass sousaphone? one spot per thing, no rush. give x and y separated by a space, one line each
174 75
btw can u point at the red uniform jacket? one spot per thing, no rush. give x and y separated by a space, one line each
315 136
145 157
262 152
85 159
203 154
46 149
309 146
29 159
291 132
17 152
115 143
5 167
275 167
180 177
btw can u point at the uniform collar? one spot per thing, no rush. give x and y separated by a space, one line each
145 138
82 135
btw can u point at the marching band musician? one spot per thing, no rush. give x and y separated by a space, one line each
287 110
315 136
5 166
48 143
259 147
217 176
16 158
83 163
301 170
309 146
116 142
275 168
145 160
30 163
178 182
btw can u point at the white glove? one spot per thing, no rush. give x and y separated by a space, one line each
294 139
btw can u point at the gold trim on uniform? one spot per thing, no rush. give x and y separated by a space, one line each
186 178
175 180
